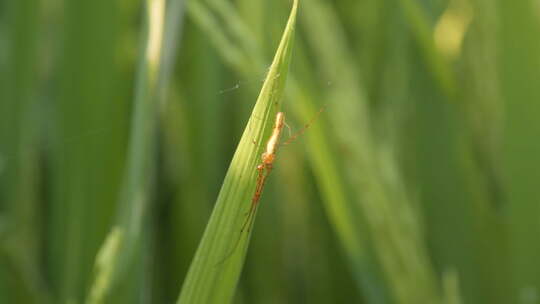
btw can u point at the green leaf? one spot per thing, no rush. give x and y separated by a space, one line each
121 256
341 210
217 264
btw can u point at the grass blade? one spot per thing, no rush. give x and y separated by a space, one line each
79 207
323 160
20 208
387 210
211 279
519 73
123 249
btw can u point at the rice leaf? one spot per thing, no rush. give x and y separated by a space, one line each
217 264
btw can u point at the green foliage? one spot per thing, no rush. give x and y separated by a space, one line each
129 141
217 264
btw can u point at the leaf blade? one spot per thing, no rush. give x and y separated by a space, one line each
211 279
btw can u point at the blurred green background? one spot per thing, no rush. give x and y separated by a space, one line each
419 183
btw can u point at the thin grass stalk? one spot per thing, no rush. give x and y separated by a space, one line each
397 240
122 253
